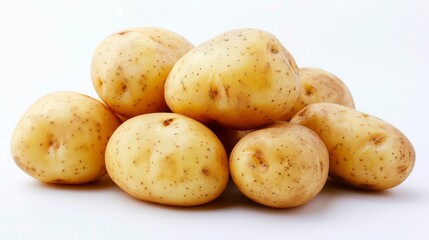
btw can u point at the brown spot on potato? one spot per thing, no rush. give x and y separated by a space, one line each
258 161
167 122
123 32
309 90
119 71
402 169
213 92
31 169
272 47
124 87
205 171
377 139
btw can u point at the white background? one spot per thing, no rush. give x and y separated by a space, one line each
380 49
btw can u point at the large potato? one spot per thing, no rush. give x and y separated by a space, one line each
282 165
365 152
318 85
167 158
129 68
242 79
62 138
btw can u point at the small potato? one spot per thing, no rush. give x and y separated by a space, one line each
282 165
365 152
242 79
167 158
318 85
62 138
129 68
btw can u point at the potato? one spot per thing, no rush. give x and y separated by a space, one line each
318 85
62 138
282 165
167 158
229 137
242 79
129 68
365 152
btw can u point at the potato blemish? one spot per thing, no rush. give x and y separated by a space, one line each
167 122
123 33
377 139
257 161
309 90
402 169
205 171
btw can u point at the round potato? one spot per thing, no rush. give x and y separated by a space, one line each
365 152
242 79
282 165
318 85
62 138
167 158
129 68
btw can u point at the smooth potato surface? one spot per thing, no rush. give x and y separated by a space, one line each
282 165
242 79
62 138
129 69
318 85
365 152
167 158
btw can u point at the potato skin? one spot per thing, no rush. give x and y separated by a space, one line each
283 165
318 85
62 138
241 79
129 68
229 137
167 158
365 151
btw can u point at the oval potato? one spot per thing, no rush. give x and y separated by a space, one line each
167 158
129 68
241 79
365 152
282 165
62 138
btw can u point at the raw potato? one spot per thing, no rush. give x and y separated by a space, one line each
167 158
129 69
365 152
62 138
242 79
318 85
282 165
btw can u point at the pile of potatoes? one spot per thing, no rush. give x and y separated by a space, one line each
176 122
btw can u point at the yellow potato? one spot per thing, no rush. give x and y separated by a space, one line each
129 68
365 152
242 79
282 165
62 138
167 158
318 85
